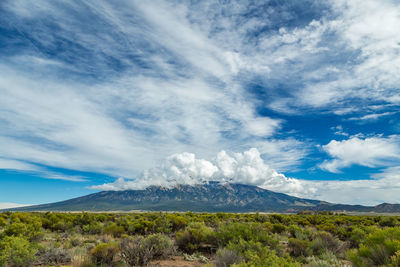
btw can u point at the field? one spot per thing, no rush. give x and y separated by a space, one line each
198 239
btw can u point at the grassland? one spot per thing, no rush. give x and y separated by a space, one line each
198 239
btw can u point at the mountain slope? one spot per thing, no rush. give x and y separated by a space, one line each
212 197
206 197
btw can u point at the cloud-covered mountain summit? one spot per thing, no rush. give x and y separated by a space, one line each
249 168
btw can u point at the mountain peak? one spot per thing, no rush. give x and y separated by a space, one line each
205 197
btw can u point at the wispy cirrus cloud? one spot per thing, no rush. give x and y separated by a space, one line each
372 116
176 94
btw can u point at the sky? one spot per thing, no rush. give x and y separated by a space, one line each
299 97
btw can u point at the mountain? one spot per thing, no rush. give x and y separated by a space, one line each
211 197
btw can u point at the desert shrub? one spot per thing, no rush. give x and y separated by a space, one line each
395 260
162 225
161 245
233 232
114 230
357 236
141 250
293 230
327 259
193 237
62 226
32 230
276 218
83 261
177 222
135 252
3 222
328 227
378 248
326 242
104 253
74 242
278 228
16 251
226 257
141 226
298 247
256 254
53 256
92 228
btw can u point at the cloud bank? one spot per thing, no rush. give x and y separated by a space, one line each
249 168
5 205
246 168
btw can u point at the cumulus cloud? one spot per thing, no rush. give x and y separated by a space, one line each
246 168
249 168
369 151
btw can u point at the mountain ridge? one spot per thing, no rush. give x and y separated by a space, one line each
210 197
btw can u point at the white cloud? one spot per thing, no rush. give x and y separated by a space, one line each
339 130
6 205
148 79
284 154
249 168
113 126
17 165
246 168
373 116
370 152
367 29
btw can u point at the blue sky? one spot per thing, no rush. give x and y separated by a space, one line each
300 97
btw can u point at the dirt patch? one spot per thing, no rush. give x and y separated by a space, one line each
176 261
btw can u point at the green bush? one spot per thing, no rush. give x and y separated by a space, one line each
16 251
298 247
226 257
278 228
177 222
193 237
395 260
256 254
104 253
357 237
141 250
114 230
135 252
378 248
327 259
3 222
32 230
233 232
161 245
326 242
92 228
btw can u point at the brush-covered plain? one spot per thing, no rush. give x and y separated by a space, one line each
199 239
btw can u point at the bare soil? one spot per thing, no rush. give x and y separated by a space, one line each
176 261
